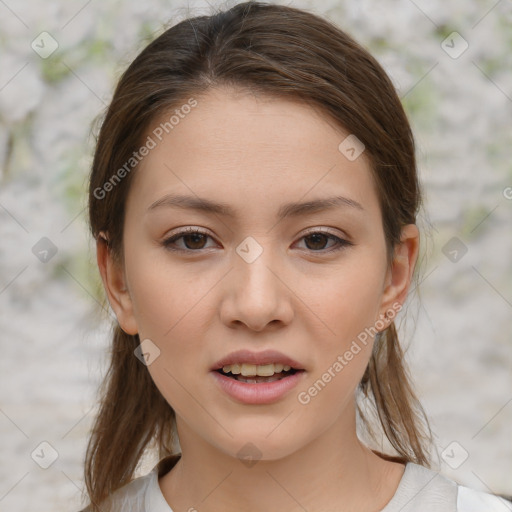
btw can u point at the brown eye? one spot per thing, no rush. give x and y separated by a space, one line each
194 240
318 242
189 240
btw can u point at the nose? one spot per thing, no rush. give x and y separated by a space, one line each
256 295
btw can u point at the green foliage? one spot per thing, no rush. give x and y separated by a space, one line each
53 70
420 100
475 221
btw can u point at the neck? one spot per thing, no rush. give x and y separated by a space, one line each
334 469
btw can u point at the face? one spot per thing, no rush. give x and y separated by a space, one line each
286 262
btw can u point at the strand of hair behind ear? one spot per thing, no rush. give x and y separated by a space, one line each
387 384
132 404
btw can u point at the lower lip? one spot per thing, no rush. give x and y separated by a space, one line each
261 393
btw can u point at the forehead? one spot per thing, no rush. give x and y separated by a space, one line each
237 147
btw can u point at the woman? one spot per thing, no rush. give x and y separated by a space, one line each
254 197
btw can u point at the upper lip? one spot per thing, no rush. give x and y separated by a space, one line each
258 358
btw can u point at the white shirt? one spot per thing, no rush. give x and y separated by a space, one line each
419 490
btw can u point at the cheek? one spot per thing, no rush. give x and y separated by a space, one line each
348 308
347 305
173 309
166 298
348 302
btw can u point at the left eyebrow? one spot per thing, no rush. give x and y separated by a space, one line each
287 210
316 205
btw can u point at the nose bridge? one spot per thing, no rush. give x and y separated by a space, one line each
256 296
253 269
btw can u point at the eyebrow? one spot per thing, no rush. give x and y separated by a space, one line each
286 210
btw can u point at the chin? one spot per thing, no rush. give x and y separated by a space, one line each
255 445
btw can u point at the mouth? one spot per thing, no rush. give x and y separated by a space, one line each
257 384
257 378
256 374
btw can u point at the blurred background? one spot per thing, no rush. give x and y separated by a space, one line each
452 65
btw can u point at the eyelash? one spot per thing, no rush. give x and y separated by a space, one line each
340 242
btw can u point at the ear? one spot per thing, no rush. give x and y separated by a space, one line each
114 282
398 278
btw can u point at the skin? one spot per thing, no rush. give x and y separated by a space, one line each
256 153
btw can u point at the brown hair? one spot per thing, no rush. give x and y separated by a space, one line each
279 51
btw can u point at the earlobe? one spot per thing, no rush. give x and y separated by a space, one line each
400 274
114 282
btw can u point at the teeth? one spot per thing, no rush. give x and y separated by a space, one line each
265 370
248 370
251 370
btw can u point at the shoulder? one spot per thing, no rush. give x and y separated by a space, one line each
471 500
425 490
141 494
132 496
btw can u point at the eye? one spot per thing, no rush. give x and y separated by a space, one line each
316 241
192 239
